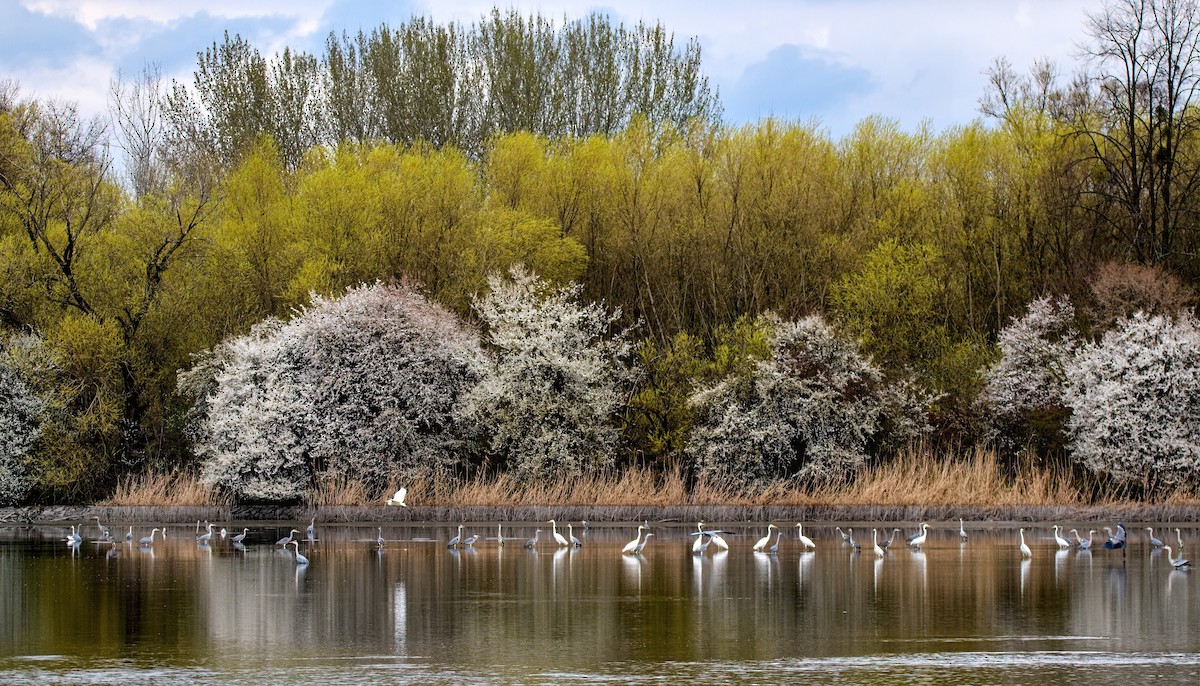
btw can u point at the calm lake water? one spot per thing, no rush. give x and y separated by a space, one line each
417 612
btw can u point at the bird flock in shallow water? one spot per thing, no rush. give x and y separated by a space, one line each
703 538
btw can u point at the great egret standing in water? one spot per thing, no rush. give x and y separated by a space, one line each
558 538
875 543
961 531
804 540
765 540
1061 542
1025 551
632 545
920 538
575 542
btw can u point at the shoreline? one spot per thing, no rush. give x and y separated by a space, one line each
605 513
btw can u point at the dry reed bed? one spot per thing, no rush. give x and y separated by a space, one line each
916 485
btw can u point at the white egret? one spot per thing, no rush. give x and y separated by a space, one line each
500 534
300 559
961 531
1061 542
224 533
640 546
397 499
699 545
148 540
1025 551
632 545
558 538
454 541
875 543
804 540
532 543
287 539
1176 562
919 540
765 540
73 538
241 537
571 537
1154 542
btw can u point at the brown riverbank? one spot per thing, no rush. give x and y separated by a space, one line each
610 513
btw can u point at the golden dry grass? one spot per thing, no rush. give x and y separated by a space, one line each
164 490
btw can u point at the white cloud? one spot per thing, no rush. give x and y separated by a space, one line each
91 12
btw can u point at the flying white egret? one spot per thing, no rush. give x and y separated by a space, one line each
1176 562
765 540
632 545
571 536
804 540
287 539
300 559
397 499
558 538
875 543
919 540
1025 551
1061 542
532 543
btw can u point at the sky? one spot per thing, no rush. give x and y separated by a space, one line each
832 61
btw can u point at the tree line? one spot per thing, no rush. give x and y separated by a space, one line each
591 154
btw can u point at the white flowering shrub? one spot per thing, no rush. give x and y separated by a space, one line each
364 386
20 424
1024 388
1135 402
559 380
810 411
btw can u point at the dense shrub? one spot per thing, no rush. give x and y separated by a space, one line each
559 380
809 410
20 424
364 386
1025 386
1135 402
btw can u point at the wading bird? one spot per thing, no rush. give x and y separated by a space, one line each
103 529
632 545
1061 542
1025 551
1179 539
532 543
1154 542
73 538
1177 563
571 537
287 539
638 549
853 543
845 536
1081 543
397 499
558 538
500 535
129 535
379 541
875 543
204 538
241 537
887 544
804 540
470 540
961 531
312 529
1118 540
454 541
766 540
774 547
300 559
919 540
148 540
